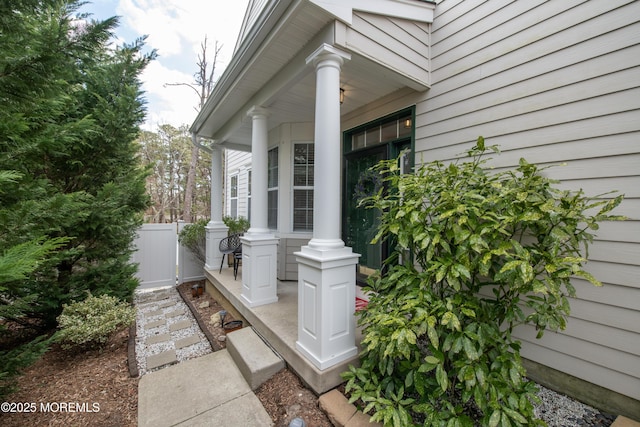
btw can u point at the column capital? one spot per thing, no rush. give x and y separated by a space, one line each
326 51
258 111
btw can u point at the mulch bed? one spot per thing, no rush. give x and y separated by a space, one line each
99 388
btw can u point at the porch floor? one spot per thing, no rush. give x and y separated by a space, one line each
277 323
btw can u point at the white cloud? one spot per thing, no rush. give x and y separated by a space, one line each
168 104
176 29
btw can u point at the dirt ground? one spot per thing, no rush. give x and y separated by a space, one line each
95 388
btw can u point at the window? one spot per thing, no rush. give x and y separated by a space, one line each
398 126
233 196
249 195
303 163
272 189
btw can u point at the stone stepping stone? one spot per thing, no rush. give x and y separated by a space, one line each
174 314
161 359
155 339
186 342
155 323
167 303
153 313
183 324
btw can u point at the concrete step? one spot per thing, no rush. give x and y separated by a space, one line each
255 359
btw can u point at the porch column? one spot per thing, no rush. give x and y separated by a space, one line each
259 245
215 229
326 267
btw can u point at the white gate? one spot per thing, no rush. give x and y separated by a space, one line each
161 261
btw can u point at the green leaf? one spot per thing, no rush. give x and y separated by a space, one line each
433 336
495 418
589 277
515 415
480 376
515 375
480 143
462 271
441 377
470 349
432 360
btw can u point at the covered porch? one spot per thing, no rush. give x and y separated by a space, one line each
318 68
277 324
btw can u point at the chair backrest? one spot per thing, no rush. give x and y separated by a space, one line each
230 244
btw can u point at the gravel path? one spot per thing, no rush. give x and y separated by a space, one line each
555 409
159 312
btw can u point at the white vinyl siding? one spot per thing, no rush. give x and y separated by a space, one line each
554 82
395 43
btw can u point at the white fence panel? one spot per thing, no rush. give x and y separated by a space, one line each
156 255
190 268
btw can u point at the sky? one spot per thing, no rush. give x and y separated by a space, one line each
176 29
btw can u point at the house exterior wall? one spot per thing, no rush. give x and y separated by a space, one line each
566 91
405 48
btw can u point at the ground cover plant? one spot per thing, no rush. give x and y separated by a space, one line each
92 321
477 253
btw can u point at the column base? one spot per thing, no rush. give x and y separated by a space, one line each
326 305
259 269
215 231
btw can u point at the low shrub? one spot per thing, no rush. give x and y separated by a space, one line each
477 253
194 237
238 225
91 322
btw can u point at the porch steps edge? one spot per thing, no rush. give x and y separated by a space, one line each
255 359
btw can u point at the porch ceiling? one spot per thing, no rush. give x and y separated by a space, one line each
269 69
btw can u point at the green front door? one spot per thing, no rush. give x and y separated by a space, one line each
360 225
364 147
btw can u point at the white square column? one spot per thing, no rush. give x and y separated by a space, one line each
214 233
259 275
326 305
326 267
259 246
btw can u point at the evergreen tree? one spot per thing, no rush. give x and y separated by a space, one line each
71 107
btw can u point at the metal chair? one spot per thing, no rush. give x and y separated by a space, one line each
231 245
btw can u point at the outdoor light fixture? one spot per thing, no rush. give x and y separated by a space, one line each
407 123
341 96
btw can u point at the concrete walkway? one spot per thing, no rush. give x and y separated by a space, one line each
206 391
201 391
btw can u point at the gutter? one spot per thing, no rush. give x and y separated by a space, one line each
194 141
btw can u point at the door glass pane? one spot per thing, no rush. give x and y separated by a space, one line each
373 136
389 131
357 140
